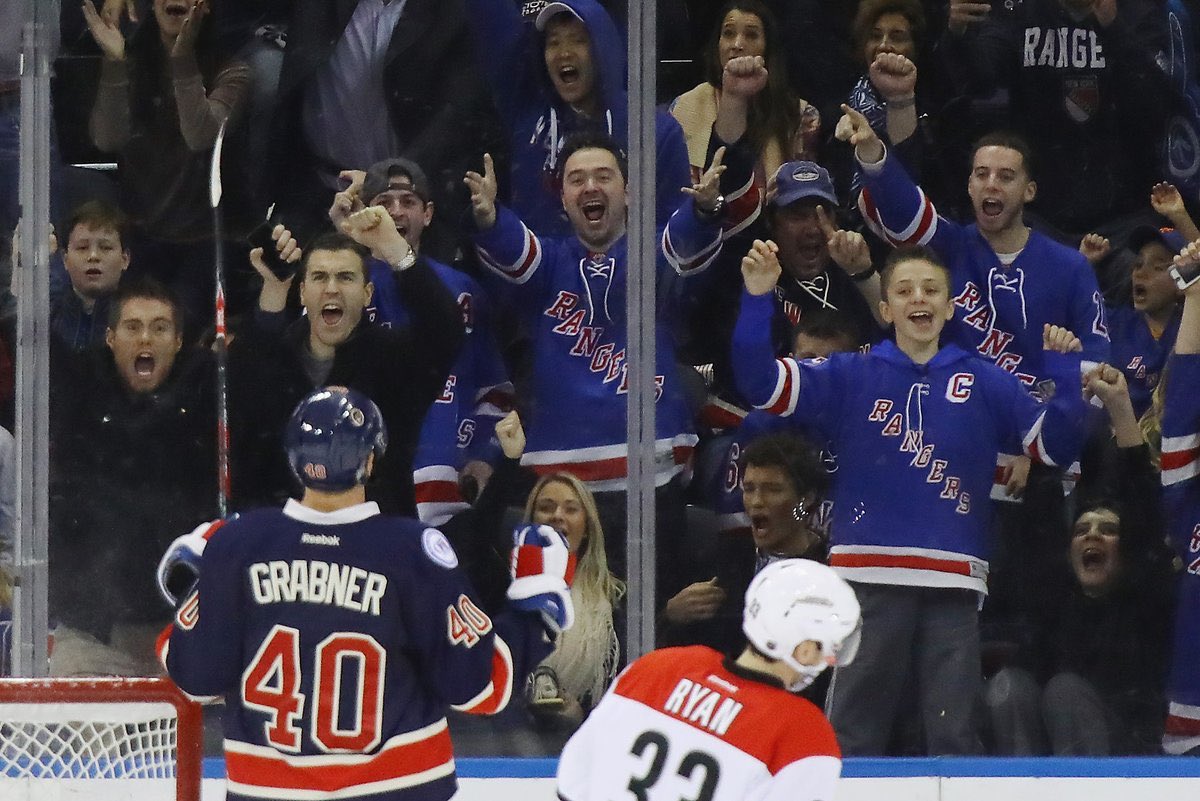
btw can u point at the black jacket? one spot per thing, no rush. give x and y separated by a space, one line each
402 369
128 474
1094 112
438 105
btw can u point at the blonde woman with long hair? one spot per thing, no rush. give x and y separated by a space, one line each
587 656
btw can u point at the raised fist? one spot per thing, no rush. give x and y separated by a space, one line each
964 13
744 76
1060 340
894 75
1106 383
1094 247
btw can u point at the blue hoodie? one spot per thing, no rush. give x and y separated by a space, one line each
512 57
916 445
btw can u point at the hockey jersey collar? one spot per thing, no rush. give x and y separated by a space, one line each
351 514
948 354
754 675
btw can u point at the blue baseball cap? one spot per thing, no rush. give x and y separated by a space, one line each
1171 239
797 180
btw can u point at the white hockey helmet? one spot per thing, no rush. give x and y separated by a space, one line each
794 600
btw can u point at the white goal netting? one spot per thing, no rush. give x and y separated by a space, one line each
101 750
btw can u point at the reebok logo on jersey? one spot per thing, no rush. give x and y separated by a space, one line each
320 539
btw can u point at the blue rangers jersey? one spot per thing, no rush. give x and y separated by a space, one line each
999 310
1138 353
338 641
1181 498
459 425
915 443
573 303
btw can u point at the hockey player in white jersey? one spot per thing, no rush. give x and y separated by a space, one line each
689 723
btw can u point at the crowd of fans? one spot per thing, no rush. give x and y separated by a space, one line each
426 200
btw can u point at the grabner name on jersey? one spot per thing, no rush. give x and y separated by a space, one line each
698 705
315 582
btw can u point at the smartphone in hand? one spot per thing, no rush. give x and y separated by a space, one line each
1186 275
260 237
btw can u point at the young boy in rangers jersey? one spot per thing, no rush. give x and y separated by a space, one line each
916 426
1181 499
689 723
339 636
1143 333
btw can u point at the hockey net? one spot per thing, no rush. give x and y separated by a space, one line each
98 739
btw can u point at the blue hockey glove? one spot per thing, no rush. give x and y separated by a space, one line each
542 569
179 569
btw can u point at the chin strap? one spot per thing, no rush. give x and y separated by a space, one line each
808 674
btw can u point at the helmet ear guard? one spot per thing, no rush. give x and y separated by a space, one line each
331 437
795 600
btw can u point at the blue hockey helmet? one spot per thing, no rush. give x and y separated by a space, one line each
330 436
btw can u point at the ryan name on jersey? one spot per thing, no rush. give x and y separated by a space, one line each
702 706
316 582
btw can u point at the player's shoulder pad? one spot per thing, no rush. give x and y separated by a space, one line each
438 549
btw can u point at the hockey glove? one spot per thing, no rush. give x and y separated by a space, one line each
179 569
542 569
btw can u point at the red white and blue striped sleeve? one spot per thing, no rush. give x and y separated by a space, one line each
688 244
1051 433
896 208
743 205
763 380
1181 422
509 249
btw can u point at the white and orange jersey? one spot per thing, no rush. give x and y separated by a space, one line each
686 723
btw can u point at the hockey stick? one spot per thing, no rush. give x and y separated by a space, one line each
219 345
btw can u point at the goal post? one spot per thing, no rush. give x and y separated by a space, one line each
98 739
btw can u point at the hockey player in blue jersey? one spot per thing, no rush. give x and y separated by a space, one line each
339 636
916 426
1181 502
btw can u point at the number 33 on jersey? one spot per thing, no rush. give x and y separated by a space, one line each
685 724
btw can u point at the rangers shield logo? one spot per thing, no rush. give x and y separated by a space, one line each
1081 98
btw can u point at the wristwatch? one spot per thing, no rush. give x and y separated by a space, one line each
715 211
408 261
